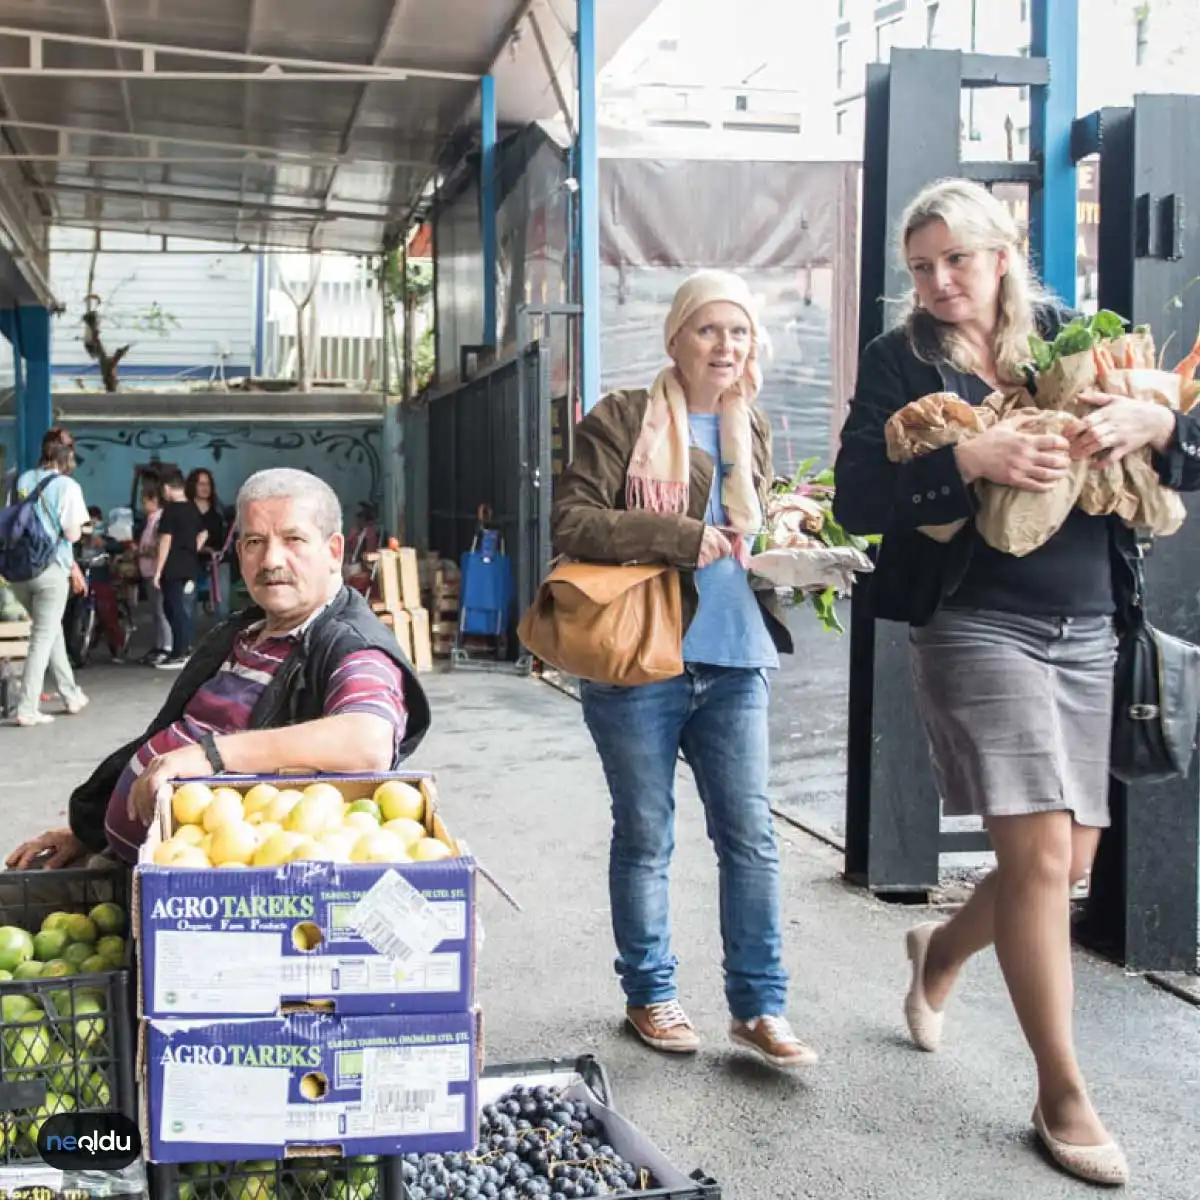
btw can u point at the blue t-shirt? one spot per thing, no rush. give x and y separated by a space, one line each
60 506
728 629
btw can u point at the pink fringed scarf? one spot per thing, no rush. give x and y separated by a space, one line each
657 479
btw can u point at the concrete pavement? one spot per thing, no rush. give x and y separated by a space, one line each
875 1120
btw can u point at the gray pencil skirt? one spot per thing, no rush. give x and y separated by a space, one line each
1018 711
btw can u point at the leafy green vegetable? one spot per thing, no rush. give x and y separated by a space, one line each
819 485
1076 337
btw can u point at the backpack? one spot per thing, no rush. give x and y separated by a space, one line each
26 548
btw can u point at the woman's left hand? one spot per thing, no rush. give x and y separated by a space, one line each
1119 426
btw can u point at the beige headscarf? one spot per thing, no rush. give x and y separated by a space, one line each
657 479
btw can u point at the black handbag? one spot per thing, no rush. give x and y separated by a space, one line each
1156 698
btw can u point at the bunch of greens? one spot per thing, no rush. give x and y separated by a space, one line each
818 486
1077 337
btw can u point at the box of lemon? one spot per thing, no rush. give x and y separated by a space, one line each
309 1083
346 892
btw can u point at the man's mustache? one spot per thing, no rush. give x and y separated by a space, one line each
269 577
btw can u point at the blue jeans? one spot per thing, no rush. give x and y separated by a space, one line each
718 717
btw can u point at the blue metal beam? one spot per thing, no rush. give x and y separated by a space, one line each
36 412
1053 205
588 160
487 207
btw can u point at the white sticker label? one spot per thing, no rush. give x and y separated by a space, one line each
397 921
243 972
238 1105
405 1090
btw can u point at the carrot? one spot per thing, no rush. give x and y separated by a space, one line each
1187 368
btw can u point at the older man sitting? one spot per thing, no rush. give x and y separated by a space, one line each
308 678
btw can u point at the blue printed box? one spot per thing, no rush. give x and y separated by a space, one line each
305 1082
360 938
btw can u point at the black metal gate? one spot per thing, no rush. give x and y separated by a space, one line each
1143 906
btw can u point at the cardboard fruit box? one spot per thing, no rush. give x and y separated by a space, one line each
355 938
309 1083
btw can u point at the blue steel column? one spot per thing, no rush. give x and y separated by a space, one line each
33 338
1052 208
487 208
588 159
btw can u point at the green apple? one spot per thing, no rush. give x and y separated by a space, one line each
29 969
81 929
108 918
77 953
16 947
31 1046
113 948
50 943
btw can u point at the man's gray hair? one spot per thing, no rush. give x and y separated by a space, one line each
318 498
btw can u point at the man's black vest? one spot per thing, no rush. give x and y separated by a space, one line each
296 693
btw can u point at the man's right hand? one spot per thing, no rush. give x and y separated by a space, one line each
63 846
1007 454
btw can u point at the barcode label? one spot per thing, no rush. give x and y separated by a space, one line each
395 920
389 1101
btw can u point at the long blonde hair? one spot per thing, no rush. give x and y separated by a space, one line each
982 222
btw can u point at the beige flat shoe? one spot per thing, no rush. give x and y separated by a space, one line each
1104 1164
924 1022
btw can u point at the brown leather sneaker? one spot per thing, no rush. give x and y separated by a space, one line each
664 1026
772 1039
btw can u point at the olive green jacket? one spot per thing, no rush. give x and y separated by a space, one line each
590 522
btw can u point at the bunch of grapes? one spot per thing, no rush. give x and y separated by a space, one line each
533 1142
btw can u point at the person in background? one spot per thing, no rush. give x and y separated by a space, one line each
181 533
214 573
147 551
63 512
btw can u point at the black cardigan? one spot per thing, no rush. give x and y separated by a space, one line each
913 573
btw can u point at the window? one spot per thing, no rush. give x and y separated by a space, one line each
1024 10
840 120
742 103
885 39
1023 136
1024 91
842 47
931 16
841 10
1143 33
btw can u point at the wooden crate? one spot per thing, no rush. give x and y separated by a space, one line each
14 649
422 639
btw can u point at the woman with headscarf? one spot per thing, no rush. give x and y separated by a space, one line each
678 475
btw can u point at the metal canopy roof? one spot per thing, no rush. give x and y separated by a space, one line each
304 123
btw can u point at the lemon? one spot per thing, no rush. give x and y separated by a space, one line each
277 850
314 814
283 804
430 850
259 797
379 847
361 822
399 799
225 808
189 802
407 831
235 842
193 835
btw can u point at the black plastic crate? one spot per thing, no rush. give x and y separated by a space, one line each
66 1043
592 1072
368 1178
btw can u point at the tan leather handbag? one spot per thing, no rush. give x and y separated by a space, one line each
616 625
